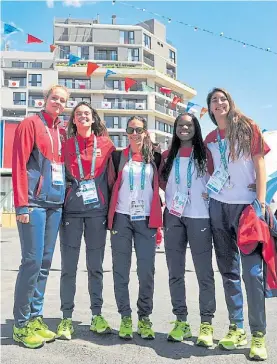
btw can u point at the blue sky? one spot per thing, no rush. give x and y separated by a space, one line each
204 61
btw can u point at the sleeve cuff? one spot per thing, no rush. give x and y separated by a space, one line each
22 210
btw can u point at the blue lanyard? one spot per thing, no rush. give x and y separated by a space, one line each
189 173
131 174
222 150
81 170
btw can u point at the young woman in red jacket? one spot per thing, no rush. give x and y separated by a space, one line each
135 214
90 176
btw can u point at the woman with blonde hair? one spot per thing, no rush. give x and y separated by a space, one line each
39 187
236 153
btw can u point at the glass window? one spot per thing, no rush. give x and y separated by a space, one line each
121 37
115 139
19 98
133 54
64 52
67 82
83 52
22 80
126 37
34 80
131 37
172 55
147 41
124 120
16 64
36 64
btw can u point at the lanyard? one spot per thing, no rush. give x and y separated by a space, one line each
222 150
189 173
131 174
81 170
50 136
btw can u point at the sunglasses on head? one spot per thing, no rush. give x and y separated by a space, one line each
131 130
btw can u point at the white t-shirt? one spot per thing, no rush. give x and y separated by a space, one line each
241 171
124 195
197 207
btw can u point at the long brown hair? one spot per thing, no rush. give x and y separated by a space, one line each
239 129
97 127
147 147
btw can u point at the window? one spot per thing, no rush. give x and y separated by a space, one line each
35 64
112 84
19 64
147 41
112 122
35 80
115 139
126 37
114 102
64 52
67 82
19 98
172 56
133 54
82 84
105 54
160 125
79 99
124 120
22 80
83 52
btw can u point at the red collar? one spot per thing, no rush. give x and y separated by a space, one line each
51 122
185 151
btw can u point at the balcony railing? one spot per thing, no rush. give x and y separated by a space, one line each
166 110
74 38
149 61
19 102
9 83
99 56
171 73
79 85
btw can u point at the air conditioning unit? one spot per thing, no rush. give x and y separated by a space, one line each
106 105
140 106
71 103
13 83
170 112
39 103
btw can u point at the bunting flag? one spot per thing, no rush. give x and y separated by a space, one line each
32 39
189 106
109 72
8 29
91 67
129 82
72 59
203 112
175 101
147 88
165 90
52 47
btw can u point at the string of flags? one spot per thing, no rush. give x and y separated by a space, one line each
195 28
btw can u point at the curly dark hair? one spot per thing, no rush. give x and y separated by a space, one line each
147 148
199 150
97 127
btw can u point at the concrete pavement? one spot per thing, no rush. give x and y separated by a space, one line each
87 347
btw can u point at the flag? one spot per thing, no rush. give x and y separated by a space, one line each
52 47
203 112
146 88
165 90
189 106
91 67
129 82
8 29
73 59
109 72
32 39
175 101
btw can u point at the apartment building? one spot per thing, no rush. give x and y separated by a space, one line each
141 52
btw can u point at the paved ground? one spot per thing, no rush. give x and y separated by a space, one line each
90 348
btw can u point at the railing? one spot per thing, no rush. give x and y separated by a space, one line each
149 61
99 56
26 65
31 102
118 142
165 110
19 102
79 85
74 38
171 74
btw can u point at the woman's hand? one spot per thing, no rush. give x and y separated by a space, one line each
24 218
205 196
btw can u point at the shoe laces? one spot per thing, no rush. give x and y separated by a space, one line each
179 323
146 322
258 340
127 322
232 331
99 319
42 324
65 323
205 329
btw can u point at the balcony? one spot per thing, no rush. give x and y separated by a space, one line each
99 56
76 85
171 73
149 61
15 83
13 114
165 110
80 38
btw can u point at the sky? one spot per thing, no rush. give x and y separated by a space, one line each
204 61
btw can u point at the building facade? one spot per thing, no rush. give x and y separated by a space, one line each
140 52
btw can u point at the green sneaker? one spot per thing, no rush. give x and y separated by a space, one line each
41 329
258 349
235 338
65 329
100 325
205 337
28 337
126 329
180 331
145 329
